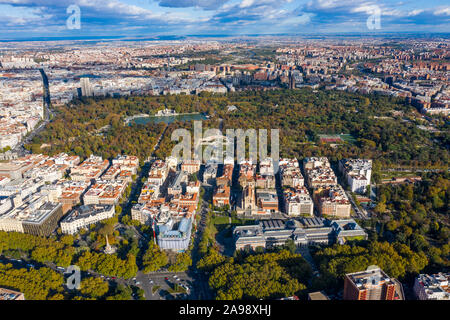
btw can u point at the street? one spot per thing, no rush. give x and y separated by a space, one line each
360 213
162 282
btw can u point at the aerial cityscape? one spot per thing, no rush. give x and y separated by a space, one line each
197 164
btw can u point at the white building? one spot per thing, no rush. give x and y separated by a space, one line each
297 202
266 167
158 173
6 204
432 287
290 173
357 172
84 216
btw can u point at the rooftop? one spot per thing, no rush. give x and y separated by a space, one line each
85 211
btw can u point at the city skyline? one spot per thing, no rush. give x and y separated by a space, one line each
243 151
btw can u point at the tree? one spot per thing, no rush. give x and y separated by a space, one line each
93 287
261 276
121 293
395 259
182 263
126 219
290 245
56 296
131 267
210 261
154 258
67 240
380 208
108 265
36 284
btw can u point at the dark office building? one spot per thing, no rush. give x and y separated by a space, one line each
45 220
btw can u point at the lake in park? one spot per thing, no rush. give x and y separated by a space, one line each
168 119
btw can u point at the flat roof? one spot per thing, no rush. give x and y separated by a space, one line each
317 296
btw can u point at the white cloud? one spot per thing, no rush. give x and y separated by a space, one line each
443 11
207 16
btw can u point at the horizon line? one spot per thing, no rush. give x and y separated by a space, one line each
186 37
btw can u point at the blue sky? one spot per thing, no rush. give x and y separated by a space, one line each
38 18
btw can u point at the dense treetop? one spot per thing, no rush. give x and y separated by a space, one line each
383 128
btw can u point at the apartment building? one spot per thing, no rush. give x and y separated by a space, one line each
104 192
221 196
227 175
23 187
297 201
432 287
357 173
48 170
32 166
84 216
71 193
267 200
332 201
290 174
4 180
265 181
6 294
247 172
172 215
158 173
146 212
64 158
14 170
210 173
266 167
127 162
149 192
90 169
177 183
190 166
123 168
372 284
318 172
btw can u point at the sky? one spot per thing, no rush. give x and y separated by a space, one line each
22 19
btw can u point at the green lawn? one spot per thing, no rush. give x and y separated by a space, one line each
177 289
220 220
345 137
237 221
155 288
389 175
348 138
